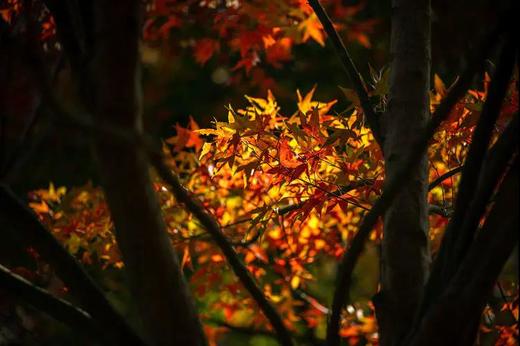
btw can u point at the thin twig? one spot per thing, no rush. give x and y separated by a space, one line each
332 194
251 330
350 68
241 329
443 177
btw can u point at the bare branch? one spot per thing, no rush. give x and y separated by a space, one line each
447 260
496 161
42 300
350 68
183 196
455 316
475 157
443 177
241 329
438 210
309 300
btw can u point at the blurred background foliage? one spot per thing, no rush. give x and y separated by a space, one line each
177 85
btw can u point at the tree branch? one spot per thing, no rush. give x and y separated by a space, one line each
454 318
475 158
447 262
391 189
241 329
42 300
350 68
255 331
443 177
109 87
167 303
212 227
496 161
283 210
30 232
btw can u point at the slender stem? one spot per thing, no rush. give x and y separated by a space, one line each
480 142
350 68
443 177
496 164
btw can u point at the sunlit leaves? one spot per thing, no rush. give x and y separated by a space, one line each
288 189
311 28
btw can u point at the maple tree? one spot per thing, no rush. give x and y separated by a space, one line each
260 206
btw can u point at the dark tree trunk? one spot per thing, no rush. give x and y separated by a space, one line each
405 255
159 288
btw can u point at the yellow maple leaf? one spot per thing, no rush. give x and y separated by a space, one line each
311 28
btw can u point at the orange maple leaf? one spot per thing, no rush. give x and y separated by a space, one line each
311 28
204 50
286 155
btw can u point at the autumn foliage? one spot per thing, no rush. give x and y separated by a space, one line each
245 34
288 190
288 187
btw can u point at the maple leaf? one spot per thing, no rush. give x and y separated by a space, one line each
351 96
186 137
204 50
279 52
171 23
311 28
268 41
306 104
287 158
439 85
247 62
248 41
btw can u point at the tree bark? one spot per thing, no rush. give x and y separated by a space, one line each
405 255
156 280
